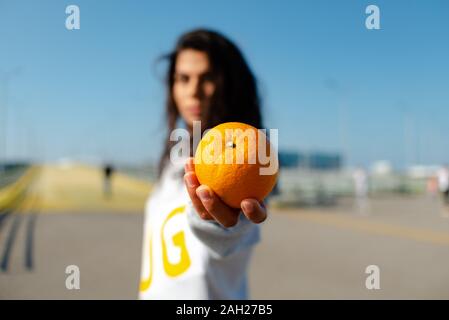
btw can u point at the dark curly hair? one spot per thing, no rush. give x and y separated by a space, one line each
235 97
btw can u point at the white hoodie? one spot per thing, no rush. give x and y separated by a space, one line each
185 257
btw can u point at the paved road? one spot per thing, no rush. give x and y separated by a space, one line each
324 254
305 254
106 248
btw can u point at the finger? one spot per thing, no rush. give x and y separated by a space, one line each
190 165
224 214
192 184
254 211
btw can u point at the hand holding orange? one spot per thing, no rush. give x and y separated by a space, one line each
225 175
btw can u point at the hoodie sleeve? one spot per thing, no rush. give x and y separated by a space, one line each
221 241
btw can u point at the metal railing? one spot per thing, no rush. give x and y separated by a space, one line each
309 188
9 175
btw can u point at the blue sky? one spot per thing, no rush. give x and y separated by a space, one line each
327 83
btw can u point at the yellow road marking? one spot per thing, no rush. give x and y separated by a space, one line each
9 194
376 228
75 188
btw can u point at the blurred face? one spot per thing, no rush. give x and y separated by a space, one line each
193 86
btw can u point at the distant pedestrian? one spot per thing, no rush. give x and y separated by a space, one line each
432 187
108 171
360 179
443 183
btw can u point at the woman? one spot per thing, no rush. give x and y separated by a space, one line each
195 246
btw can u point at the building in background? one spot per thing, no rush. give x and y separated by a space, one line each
310 161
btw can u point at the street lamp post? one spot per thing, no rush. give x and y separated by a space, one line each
4 124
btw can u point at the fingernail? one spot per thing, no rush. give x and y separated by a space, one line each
203 194
190 181
247 206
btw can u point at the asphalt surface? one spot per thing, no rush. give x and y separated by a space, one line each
319 253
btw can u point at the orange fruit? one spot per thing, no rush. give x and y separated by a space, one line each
227 160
